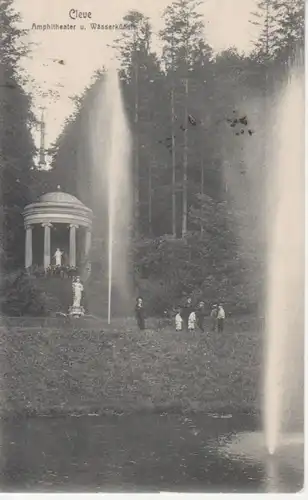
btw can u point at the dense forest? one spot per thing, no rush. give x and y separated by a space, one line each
199 122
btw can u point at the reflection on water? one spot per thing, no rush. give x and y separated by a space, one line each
283 470
140 452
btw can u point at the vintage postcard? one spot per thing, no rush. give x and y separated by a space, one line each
152 246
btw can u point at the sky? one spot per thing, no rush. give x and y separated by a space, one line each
84 51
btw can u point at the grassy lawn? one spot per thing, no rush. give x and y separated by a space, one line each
72 368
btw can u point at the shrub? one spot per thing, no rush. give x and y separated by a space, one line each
157 296
169 270
20 295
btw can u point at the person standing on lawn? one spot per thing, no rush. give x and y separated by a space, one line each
139 312
201 315
178 321
185 312
221 315
192 321
214 313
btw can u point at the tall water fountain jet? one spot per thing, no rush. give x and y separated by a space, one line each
284 331
269 200
111 149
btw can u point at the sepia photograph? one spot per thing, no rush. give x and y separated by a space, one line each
152 246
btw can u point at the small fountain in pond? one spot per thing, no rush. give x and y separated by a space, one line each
111 150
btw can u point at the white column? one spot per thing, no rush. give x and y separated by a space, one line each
73 228
87 243
46 227
28 247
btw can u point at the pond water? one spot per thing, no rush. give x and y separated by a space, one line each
137 452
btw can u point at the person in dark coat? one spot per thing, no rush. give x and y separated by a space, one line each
140 315
200 313
187 309
214 313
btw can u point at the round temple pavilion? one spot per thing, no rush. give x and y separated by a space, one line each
57 220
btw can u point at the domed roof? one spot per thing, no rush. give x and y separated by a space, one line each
59 197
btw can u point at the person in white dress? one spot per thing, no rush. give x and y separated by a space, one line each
192 321
178 322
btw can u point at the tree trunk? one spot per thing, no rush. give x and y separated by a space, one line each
136 150
202 191
267 28
185 160
150 197
173 166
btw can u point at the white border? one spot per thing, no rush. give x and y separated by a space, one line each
197 496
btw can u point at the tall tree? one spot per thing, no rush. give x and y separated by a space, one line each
264 19
290 18
182 33
137 62
16 143
72 167
282 26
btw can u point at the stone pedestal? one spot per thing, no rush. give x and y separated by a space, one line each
76 311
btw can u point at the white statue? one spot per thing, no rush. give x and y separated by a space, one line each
77 292
58 256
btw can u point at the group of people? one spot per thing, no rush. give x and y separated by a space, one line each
61 268
188 317
191 317
62 271
55 271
